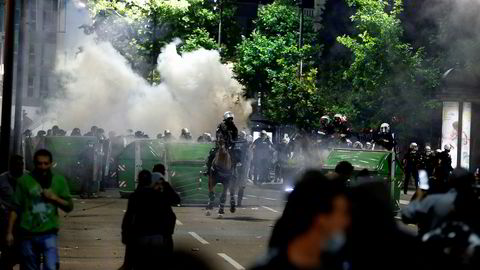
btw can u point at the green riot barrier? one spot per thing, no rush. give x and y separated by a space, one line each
184 162
76 161
378 163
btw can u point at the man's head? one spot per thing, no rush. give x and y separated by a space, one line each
76 132
344 169
384 128
41 133
42 160
264 134
160 168
228 116
144 178
317 207
55 129
16 166
337 118
93 129
325 120
428 150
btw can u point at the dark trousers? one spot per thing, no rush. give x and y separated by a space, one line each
409 172
150 252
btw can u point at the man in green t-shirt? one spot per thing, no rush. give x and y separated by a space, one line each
37 198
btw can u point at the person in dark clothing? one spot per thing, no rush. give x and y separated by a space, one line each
312 225
149 223
262 156
227 130
227 133
8 183
410 163
185 135
384 138
76 132
374 240
444 167
344 169
85 169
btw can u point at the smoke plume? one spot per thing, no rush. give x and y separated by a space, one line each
101 89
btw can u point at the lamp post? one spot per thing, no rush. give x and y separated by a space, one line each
219 4
300 35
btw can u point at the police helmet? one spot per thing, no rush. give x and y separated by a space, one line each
413 146
325 119
385 128
228 115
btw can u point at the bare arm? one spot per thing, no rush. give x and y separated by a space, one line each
11 223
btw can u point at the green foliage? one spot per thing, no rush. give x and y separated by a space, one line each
390 81
268 62
138 29
294 100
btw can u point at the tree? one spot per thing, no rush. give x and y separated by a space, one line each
267 62
389 80
139 29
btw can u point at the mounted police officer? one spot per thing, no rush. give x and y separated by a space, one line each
226 132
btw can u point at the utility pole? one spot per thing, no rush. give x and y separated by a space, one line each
17 130
7 84
220 6
300 36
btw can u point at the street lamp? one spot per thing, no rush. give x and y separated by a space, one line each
300 36
219 4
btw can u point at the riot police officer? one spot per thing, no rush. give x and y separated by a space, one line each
428 160
205 138
227 130
167 135
185 135
385 138
410 162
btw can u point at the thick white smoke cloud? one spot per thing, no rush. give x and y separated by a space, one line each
102 90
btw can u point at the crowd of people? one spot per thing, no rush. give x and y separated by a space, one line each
326 224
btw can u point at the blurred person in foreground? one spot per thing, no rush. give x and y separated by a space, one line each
450 225
37 197
149 223
374 240
459 201
8 184
312 225
344 169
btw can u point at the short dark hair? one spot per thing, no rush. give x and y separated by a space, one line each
144 178
344 167
159 168
42 153
15 158
313 195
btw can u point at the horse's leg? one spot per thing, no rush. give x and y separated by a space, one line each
232 184
211 192
223 198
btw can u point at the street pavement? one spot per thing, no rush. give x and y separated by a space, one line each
90 237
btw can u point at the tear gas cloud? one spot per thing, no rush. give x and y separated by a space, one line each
458 30
103 90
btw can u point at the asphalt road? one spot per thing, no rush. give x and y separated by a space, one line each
90 235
